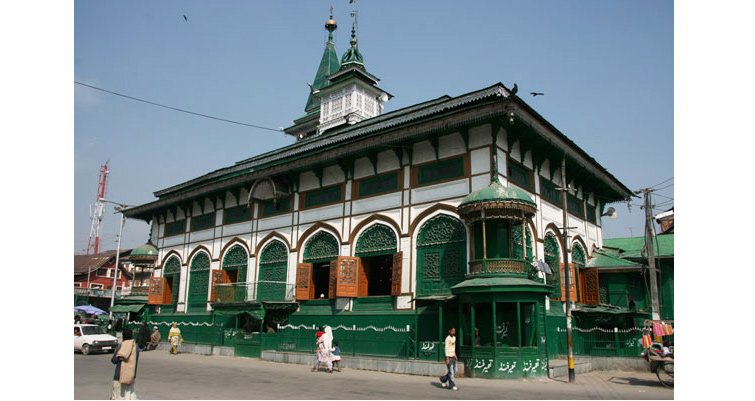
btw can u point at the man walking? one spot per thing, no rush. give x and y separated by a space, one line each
450 361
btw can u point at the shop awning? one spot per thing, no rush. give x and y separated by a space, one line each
434 297
256 310
127 308
499 284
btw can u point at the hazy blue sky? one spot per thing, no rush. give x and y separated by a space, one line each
606 67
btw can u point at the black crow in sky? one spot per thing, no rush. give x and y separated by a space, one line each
185 19
537 93
514 90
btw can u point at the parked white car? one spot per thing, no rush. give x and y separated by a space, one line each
90 337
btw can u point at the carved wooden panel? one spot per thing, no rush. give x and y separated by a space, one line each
396 279
333 279
305 289
157 291
572 283
347 283
218 277
590 287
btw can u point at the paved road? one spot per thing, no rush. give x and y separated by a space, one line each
190 376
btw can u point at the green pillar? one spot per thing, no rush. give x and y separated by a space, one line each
518 325
495 342
440 321
471 305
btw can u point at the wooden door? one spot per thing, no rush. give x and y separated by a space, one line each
348 279
157 288
333 279
218 277
305 288
589 286
572 283
398 258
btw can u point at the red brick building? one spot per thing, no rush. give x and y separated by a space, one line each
98 270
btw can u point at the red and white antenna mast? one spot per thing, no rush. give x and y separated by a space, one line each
97 210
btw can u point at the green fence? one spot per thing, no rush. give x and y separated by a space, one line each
202 333
601 342
386 342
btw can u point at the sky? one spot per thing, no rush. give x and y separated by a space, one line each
606 68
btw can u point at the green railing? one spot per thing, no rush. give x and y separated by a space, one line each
500 265
602 342
278 291
381 342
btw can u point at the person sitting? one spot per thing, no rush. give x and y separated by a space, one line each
154 339
76 331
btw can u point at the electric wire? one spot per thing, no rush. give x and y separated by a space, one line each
653 187
670 185
175 108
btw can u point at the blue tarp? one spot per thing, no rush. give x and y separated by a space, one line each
92 310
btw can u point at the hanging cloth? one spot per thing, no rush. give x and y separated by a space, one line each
647 340
658 330
668 329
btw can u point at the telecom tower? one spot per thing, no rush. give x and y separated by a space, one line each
97 210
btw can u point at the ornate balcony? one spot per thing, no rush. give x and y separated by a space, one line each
501 265
270 291
95 292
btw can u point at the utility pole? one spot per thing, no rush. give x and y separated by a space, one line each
567 271
649 235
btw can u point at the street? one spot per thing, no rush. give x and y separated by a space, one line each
190 376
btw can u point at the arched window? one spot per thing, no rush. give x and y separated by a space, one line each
376 247
199 281
441 255
235 263
553 259
313 275
272 276
579 260
172 274
516 233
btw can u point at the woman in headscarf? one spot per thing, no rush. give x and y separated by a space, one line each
125 357
174 336
323 353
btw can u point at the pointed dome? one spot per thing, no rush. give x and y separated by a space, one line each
352 56
328 65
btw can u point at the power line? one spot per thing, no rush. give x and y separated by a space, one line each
175 108
669 185
653 187
664 196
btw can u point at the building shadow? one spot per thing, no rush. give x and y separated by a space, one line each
634 381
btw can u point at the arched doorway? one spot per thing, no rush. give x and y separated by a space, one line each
313 275
172 274
199 281
376 247
441 255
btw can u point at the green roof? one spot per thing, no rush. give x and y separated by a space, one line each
603 258
126 308
328 65
145 250
633 246
499 284
495 192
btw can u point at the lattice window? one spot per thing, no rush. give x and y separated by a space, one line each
553 259
172 269
439 171
516 233
578 255
321 247
451 264
441 230
175 228
236 259
199 280
274 252
549 192
520 175
432 266
378 239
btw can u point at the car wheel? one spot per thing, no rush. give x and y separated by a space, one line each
85 349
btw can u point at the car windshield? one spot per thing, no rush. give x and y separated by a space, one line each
89 330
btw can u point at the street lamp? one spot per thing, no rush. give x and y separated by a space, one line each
119 209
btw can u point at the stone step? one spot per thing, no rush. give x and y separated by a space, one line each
560 367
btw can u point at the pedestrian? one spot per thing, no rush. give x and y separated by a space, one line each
270 329
336 356
142 338
174 336
125 358
477 340
154 339
110 326
77 319
323 355
450 361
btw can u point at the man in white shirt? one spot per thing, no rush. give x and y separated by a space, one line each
450 343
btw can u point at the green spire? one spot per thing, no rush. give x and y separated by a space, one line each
328 65
352 56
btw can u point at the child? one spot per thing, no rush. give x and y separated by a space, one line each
336 355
